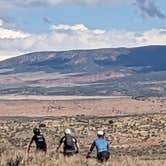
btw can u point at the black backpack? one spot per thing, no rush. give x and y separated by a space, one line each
69 142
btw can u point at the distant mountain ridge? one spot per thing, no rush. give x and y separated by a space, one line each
152 57
82 70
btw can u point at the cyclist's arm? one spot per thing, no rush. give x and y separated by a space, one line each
29 146
60 143
108 147
77 146
91 149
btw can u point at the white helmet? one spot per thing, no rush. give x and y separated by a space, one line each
100 132
68 131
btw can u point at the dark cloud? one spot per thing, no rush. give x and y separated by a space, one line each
47 20
163 32
149 8
6 22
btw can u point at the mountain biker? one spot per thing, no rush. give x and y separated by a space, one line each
39 140
102 147
70 144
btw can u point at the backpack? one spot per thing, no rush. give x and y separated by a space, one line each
69 142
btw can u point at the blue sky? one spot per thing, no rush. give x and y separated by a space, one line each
40 25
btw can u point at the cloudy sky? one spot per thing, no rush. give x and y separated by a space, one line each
46 25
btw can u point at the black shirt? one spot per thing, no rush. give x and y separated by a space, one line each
39 141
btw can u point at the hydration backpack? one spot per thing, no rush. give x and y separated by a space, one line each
69 142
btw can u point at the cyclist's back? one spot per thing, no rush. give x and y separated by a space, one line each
39 140
70 144
102 147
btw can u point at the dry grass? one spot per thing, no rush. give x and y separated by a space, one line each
18 158
136 140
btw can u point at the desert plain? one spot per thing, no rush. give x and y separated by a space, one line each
35 106
135 127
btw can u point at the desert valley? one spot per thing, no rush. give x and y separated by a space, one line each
101 90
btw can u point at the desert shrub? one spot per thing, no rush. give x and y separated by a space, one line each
110 121
12 158
14 161
42 125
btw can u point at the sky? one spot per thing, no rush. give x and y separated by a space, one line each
54 25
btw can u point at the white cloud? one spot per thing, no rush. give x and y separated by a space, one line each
66 37
1 22
11 34
78 27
